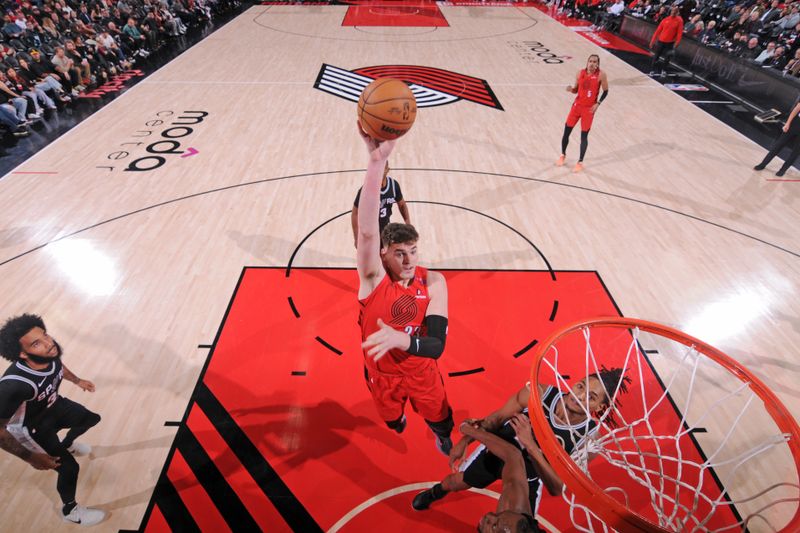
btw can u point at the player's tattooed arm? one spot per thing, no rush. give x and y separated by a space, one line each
40 461
12 445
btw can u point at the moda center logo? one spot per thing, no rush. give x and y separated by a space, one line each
537 52
431 86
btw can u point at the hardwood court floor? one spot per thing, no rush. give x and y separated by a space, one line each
132 270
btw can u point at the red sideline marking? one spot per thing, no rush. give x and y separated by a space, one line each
34 172
253 498
779 179
157 523
194 496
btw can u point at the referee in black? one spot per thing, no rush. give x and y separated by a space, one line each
32 412
390 195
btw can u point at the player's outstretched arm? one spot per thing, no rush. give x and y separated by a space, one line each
85 384
515 404
368 260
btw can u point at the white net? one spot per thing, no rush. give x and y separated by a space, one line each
683 443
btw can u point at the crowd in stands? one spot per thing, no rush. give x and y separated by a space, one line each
765 32
53 51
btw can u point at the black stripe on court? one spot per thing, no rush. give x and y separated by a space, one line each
530 345
172 423
296 515
650 352
466 372
554 311
213 481
698 430
298 372
204 346
294 309
328 346
172 507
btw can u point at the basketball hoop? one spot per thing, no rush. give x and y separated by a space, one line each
689 448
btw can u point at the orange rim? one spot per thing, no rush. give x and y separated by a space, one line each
586 491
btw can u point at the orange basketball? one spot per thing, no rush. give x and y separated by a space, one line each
387 109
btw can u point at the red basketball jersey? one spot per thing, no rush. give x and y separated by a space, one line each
402 308
588 88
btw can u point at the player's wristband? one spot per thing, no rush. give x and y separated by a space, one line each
432 345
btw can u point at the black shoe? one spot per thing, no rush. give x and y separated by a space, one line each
424 499
444 445
760 166
781 172
402 425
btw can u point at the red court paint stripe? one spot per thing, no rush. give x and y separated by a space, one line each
370 15
34 172
420 69
778 179
242 483
412 74
157 523
194 496
455 86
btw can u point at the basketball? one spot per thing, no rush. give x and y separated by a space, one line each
387 109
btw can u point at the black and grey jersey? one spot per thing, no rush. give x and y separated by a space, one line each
390 195
570 436
25 394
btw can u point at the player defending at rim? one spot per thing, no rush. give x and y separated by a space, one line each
567 414
588 83
403 315
513 512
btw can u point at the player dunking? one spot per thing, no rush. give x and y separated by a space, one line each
588 83
567 415
403 314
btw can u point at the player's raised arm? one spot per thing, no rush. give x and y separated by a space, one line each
368 260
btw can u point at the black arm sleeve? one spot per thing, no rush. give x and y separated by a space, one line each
603 95
12 394
432 345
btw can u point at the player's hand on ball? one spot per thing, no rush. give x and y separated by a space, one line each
378 150
385 339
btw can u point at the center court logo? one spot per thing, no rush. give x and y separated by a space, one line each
537 52
431 86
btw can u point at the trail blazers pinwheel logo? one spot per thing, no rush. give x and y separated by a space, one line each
431 86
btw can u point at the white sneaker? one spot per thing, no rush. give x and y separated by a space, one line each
79 449
85 516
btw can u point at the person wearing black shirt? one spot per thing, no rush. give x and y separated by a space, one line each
390 195
32 411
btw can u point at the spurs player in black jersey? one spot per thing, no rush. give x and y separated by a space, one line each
568 419
32 411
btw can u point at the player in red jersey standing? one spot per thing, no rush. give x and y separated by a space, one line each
588 83
403 314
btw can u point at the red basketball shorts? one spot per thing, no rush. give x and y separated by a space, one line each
582 113
424 390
